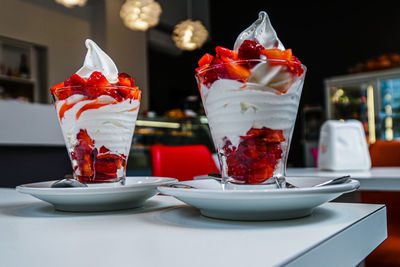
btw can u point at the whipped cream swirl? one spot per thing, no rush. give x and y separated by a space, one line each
97 60
260 31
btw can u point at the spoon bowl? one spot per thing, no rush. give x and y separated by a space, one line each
68 181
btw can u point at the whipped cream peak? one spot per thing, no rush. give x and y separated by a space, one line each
262 32
97 60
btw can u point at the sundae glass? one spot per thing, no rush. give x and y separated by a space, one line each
97 109
251 96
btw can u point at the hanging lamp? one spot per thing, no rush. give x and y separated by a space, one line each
71 3
189 34
140 14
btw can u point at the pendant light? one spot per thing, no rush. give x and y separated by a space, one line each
71 3
189 34
140 14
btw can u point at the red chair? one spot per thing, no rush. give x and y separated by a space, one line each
182 162
385 154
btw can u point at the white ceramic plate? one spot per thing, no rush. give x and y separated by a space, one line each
97 198
258 204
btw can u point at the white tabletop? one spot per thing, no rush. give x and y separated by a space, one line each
377 178
167 232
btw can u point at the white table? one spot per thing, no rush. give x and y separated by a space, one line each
377 178
168 233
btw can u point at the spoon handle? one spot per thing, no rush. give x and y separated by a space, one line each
338 180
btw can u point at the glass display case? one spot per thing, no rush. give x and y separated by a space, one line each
160 130
372 98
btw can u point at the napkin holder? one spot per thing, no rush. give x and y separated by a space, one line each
343 146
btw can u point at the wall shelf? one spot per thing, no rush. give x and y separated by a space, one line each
16 79
23 70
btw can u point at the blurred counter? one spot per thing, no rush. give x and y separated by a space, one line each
29 124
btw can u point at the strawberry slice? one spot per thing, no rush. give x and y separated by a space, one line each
260 171
108 165
84 138
273 136
205 60
250 50
75 80
295 66
97 85
278 54
83 153
136 93
57 86
292 62
61 94
225 52
238 72
236 169
97 79
103 150
124 79
253 132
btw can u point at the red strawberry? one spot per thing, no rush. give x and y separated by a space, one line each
97 79
103 150
237 72
276 151
205 60
211 75
108 165
225 52
56 86
250 50
248 151
75 80
124 79
97 85
292 62
273 136
236 169
259 172
84 153
295 66
60 91
135 93
84 138
276 53
252 133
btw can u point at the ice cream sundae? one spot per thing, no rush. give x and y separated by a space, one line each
97 109
251 96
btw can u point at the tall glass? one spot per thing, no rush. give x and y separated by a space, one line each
98 124
251 106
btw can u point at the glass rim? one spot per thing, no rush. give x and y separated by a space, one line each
99 87
249 61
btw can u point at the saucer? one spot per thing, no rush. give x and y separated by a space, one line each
97 198
257 204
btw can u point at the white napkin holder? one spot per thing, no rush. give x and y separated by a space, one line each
343 146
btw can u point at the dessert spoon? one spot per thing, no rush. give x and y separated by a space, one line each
68 181
217 177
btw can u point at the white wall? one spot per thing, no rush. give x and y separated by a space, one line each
63 33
